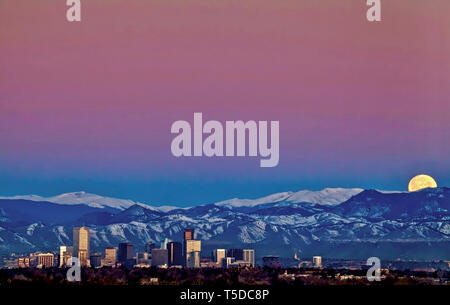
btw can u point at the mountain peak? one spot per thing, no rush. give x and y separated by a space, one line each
236 202
327 196
81 197
78 193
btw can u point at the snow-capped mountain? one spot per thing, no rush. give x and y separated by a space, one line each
237 203
367 223
327 196
91 200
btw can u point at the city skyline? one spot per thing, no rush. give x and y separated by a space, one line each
230 266
170 254
310 222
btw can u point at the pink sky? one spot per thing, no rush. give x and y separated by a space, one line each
97 98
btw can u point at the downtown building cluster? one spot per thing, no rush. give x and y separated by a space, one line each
170 254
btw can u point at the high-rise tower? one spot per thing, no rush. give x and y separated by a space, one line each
175 254
188 235
81 242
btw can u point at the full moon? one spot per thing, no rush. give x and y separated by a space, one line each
421 182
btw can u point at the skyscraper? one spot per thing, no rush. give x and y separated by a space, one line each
159 257
175 254
110 256
249 256
81 242
126 255
218 255
188 235
193 259
317 261
193 246
126 252
193 249
66 256
62 249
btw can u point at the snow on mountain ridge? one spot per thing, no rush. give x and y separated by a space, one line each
92 200
236 202
327 196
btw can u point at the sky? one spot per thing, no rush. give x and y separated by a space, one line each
89 105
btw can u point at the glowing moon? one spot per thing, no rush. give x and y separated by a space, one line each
420 182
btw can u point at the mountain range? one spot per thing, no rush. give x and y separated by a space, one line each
333 223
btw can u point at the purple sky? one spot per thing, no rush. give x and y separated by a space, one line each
88 106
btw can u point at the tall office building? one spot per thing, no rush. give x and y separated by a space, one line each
159 257
175 254
62 249
249 256
110 256
188 235
238 254
193 246
193 249
81 245
317 261
126 255
218 255
126 252
193 259
66 255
